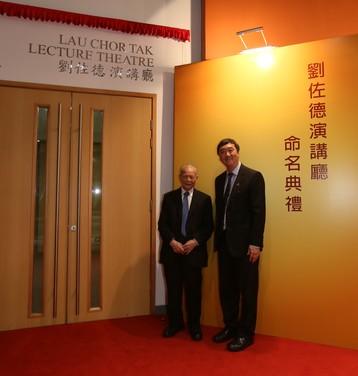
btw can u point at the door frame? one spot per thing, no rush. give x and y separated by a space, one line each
153 98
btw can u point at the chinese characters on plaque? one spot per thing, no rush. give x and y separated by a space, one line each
317 133
68 66
100 58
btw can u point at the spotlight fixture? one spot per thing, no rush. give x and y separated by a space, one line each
254 29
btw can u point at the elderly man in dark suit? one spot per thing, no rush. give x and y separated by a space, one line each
185 225
239 228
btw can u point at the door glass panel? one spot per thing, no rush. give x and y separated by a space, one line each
39 220
96 210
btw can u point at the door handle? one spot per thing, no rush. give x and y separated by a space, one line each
55 278
78 210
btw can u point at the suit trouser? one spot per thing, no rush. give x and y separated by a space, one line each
238 289
181 276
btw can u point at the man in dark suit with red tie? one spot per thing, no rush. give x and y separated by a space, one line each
239 229
185 225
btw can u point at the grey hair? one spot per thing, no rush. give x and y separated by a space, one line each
185 167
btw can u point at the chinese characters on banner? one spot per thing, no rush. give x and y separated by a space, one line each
293 182
318 136
318 127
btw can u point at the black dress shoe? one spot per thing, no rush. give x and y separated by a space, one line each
196 335
224 335
171 331
239 344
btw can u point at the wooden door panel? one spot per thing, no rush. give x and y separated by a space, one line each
125 218
18 153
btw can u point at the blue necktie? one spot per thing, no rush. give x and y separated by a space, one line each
228 188
226 197
185 212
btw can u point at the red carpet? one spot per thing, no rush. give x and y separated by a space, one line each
134 346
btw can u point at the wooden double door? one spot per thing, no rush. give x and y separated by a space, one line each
75 206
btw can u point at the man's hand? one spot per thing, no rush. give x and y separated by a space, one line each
190 245
253 253
177 247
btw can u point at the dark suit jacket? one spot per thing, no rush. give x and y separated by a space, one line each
245 214
200 226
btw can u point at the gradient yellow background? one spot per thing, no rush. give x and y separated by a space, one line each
309 267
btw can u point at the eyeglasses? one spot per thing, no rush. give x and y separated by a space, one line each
225 151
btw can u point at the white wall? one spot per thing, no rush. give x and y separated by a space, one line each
21 60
